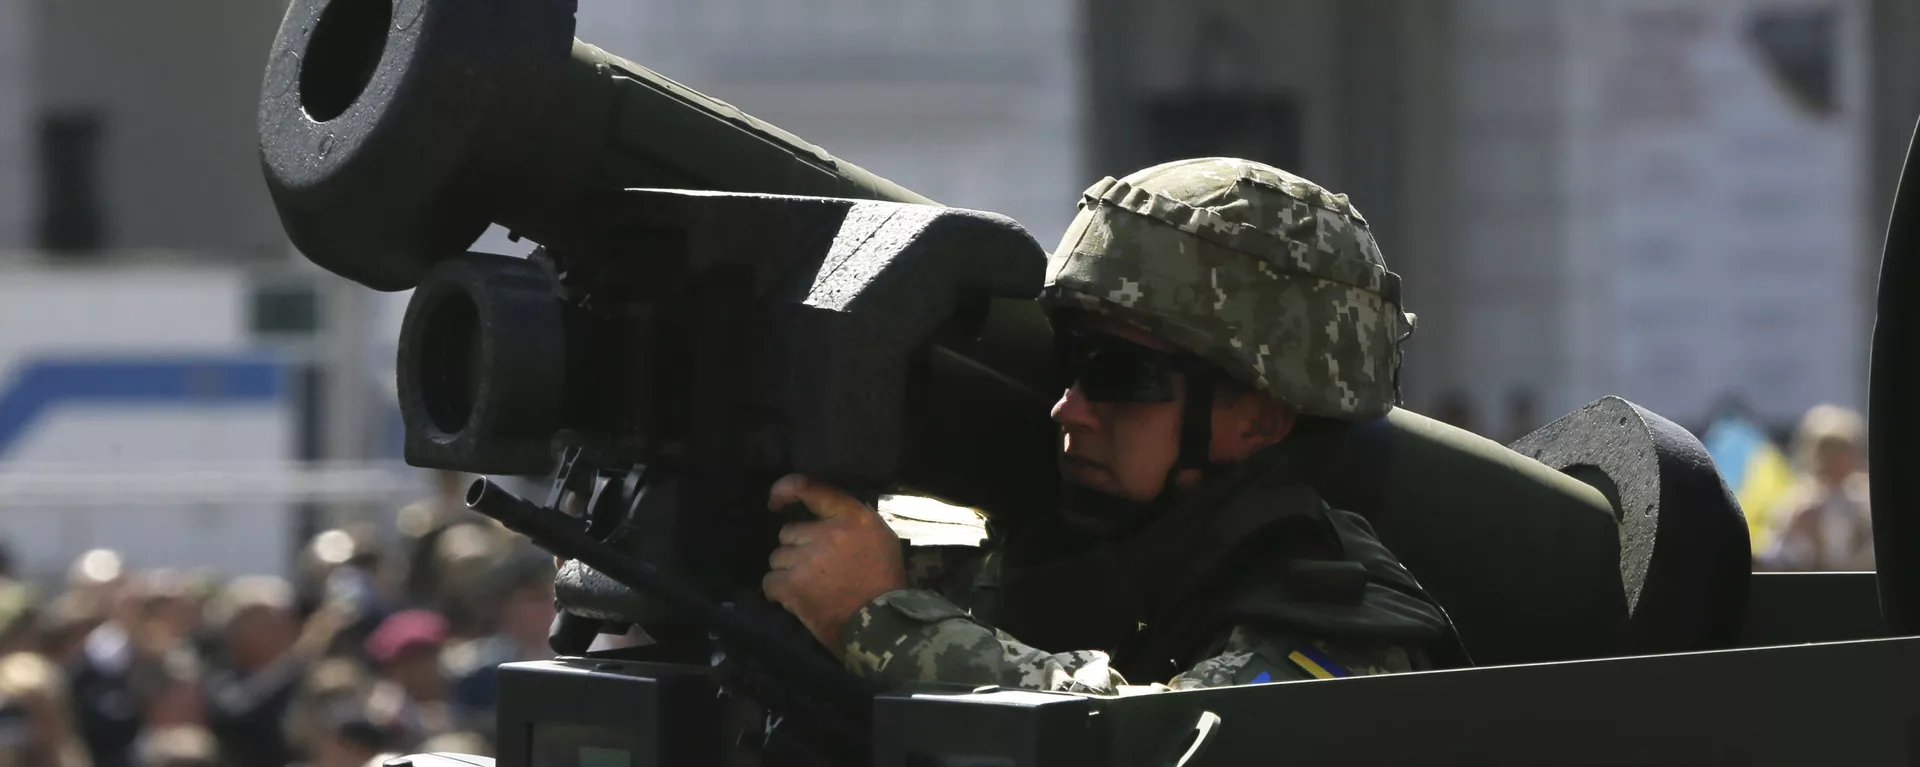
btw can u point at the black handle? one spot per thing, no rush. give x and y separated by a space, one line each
571 634
563 536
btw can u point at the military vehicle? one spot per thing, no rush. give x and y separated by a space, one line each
715 302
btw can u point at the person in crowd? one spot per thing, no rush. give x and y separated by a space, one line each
323 691
1825 522
65 624
171 688
104 687
168 672
19 618
519 590
347 569
464 555
170 668
181 746
405 653
361 730
36 715
97 571
170 608
264 655
472 743
424 526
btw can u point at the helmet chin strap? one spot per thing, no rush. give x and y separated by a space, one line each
1196 430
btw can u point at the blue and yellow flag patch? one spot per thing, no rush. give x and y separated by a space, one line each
1317 663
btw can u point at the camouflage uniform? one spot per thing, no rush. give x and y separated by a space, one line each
1278 282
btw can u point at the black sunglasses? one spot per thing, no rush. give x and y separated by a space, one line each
1109 369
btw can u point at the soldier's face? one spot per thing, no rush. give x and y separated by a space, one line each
1121 448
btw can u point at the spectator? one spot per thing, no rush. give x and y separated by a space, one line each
36 715
108 706
64 627
366 728
181 746
344 568
170 608
463 555
327 689
359 731
264 657
1825 522
471 743
405 651
168 673
161 668
19 618
520 591
171 689
17 746
422 525
99 571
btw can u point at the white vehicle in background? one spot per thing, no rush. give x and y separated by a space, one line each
162 408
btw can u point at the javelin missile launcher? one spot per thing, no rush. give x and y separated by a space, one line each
715 302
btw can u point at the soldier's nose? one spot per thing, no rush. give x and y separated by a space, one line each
1074 410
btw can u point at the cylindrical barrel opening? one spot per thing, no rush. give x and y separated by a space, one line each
482 367
476 492
342 56
450 373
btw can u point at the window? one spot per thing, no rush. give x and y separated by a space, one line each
285 310
72 219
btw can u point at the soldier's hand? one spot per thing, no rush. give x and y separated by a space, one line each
826 570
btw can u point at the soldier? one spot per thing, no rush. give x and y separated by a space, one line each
1208 309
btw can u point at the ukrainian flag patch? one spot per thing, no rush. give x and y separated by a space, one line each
1317 663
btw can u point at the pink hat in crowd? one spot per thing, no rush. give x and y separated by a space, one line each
406 630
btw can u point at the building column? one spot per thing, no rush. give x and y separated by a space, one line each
19 111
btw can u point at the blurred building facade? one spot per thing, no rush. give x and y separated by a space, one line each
1676 202
18 113
1492 143
145 115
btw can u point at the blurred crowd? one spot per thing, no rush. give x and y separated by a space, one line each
1807 506
374 649
1804 496
388 646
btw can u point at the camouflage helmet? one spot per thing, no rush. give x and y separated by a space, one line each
1258 271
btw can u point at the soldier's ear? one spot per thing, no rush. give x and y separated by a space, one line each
1229 391
1271 419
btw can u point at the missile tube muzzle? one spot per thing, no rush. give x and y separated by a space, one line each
393 132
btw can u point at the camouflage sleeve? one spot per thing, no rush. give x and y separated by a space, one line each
1254 656
916 635
920 636
949 570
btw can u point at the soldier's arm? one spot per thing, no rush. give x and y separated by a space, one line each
1255 656
919 636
